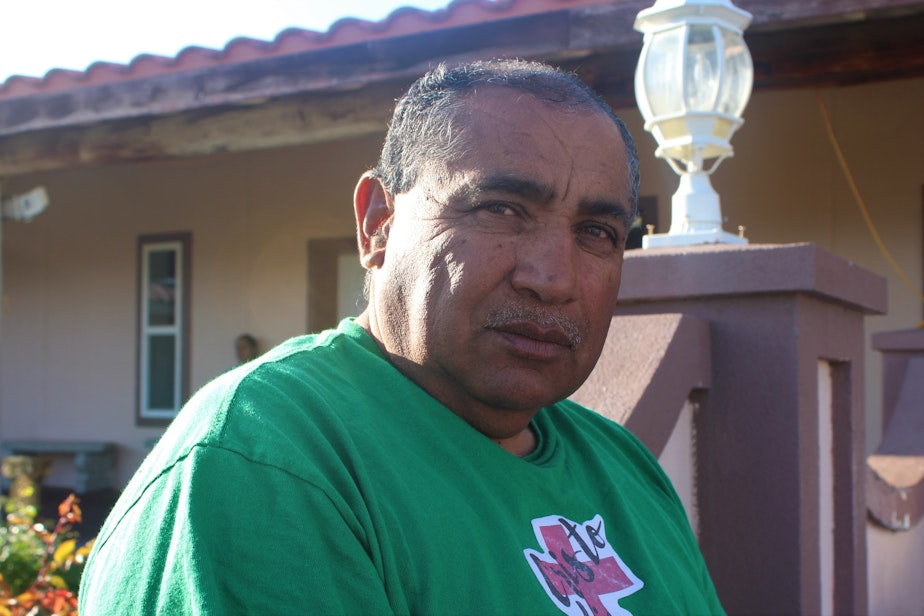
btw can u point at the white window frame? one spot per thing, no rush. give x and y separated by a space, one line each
179 243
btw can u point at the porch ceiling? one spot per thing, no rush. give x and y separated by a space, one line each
255 94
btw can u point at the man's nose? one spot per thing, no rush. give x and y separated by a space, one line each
546 266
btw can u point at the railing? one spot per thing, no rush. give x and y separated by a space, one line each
754 357
654 389
895 480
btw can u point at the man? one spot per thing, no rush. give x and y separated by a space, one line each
245 347
420 459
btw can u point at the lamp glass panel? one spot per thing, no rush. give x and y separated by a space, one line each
723 129
662 72
739 74
702 69
673 129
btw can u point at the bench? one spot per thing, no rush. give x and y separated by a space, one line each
93 460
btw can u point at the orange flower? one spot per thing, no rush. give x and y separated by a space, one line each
69 510
60 602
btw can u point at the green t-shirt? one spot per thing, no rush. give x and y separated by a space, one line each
319 480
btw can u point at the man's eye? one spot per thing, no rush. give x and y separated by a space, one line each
601 232
504 209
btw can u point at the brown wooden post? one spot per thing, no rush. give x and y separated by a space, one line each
787 338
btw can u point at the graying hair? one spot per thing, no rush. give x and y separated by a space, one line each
421 131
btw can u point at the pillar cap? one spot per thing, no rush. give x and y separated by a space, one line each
679 273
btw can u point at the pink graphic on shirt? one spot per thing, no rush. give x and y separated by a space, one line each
579 569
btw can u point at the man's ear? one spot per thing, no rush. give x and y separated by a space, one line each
374 210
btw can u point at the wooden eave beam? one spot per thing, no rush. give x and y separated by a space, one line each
844 54
291 121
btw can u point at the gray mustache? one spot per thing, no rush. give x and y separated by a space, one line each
514 312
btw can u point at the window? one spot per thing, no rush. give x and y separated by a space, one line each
163 326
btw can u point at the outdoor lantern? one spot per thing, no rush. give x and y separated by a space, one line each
692 83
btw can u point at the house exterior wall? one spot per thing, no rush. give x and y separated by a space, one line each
68 338
68 347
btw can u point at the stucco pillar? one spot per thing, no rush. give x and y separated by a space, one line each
780 459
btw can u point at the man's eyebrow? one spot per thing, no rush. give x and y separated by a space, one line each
514 185
606 208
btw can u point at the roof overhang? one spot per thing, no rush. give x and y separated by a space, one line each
303 89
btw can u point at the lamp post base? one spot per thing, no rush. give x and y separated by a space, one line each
691 238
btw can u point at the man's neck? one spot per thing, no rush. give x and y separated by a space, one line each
521 444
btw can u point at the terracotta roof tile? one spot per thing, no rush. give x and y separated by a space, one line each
403 21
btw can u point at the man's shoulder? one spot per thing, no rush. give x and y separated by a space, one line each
588 434
347 337
570 412
290 388
306 371
584 427
320 360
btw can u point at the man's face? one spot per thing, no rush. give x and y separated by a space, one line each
502 267
245 349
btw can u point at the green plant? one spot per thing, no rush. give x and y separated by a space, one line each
39 568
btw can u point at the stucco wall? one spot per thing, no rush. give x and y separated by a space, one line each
67 362
67 352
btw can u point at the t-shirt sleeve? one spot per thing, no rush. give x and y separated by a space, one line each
217 533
